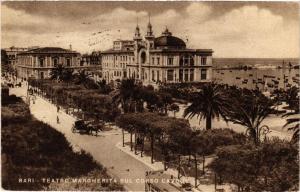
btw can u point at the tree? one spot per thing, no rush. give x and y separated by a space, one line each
104 87
209 103
82 77
126 94
250 109
292 98
165 100
175 108
293 124
67 75
272 166
57 72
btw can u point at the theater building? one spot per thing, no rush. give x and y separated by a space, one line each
37 63
154 60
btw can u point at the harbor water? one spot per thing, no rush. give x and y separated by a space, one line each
266 79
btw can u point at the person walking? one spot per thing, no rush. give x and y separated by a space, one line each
57 119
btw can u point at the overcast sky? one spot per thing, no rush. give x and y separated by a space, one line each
231 29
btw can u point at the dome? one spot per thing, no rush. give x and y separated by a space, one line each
169 41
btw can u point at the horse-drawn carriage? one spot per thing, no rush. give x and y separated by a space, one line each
87 127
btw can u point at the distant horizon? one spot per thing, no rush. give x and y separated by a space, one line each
213 57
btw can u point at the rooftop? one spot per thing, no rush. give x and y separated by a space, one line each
169 41
49 50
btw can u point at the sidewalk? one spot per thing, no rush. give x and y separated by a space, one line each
171 171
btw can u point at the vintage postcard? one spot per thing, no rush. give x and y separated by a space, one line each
198 96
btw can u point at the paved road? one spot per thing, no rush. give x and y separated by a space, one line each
102 148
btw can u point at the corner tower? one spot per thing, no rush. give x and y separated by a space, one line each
149 36
137 41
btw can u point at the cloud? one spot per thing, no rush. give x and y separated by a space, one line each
244 31
248 32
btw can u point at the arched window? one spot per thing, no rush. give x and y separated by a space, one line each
143 57
55 62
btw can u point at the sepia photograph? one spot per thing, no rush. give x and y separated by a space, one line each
154 96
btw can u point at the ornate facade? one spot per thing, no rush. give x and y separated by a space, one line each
154 60
37 63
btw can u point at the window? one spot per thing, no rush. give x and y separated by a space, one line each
143 57
42 75
181 75
170 61
191 74
170 75
203 60
68 62
191 61
186 75
153 79
186 61
157 75
158 60
153 61
41 62
203 74
181 61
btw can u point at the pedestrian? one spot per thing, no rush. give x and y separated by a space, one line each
57 119
57 108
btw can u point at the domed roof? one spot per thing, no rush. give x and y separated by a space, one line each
169 41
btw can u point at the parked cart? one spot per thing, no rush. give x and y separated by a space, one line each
87 127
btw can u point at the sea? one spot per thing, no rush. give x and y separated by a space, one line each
251 73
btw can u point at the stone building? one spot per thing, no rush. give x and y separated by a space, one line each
37 63
92 64
154 60
12 52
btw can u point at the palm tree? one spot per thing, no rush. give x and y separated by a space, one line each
250 109
82 77
126 94
209 103
67 74
57 72
292 123
104 87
